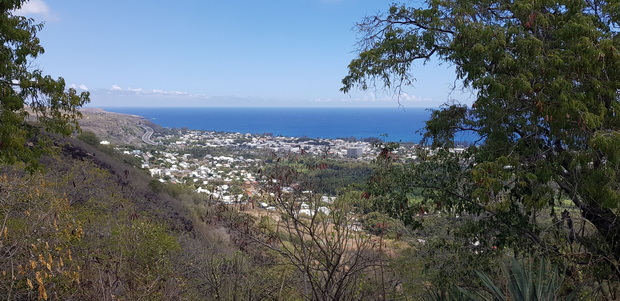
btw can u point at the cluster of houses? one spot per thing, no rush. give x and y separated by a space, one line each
316 146
232 178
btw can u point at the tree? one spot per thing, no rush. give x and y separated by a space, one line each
22 85
334 260
546 76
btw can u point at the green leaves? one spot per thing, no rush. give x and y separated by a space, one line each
526 281
22 86
391 45
547 76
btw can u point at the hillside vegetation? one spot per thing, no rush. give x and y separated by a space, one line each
90 227
528 211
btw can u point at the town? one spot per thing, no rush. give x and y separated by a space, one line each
225 165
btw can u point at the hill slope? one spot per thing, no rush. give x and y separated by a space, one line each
91 228
120 129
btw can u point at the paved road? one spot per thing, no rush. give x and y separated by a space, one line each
147 136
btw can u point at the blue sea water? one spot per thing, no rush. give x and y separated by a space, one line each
400 125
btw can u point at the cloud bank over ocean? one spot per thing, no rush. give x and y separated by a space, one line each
117 96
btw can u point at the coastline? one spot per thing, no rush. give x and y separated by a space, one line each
388 124
118 128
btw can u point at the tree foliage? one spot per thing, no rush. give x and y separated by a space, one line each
89 137
25 89
334 261
546 76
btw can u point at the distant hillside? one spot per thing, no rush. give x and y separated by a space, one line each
117 128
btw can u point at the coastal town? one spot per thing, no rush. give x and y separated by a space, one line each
225 165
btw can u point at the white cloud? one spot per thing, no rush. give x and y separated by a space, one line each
123 97
78 87
36 7
402 97
163 92
370 99
119 96
406 97
159 92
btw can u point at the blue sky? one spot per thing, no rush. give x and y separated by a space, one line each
217 53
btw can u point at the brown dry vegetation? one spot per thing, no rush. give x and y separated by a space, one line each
90 228
119 129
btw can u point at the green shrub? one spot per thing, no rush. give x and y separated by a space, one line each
89 137
380 224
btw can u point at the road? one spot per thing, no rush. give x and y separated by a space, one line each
147 135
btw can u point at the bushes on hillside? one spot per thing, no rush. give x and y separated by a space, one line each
89 137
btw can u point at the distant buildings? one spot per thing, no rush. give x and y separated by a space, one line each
355 152
230 178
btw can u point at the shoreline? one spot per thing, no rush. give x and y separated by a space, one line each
387 125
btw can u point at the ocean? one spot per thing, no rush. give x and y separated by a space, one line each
389 124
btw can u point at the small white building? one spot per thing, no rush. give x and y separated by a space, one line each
155 172
355 152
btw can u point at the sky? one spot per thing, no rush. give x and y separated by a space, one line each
241 53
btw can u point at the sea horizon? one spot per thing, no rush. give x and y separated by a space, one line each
387 124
